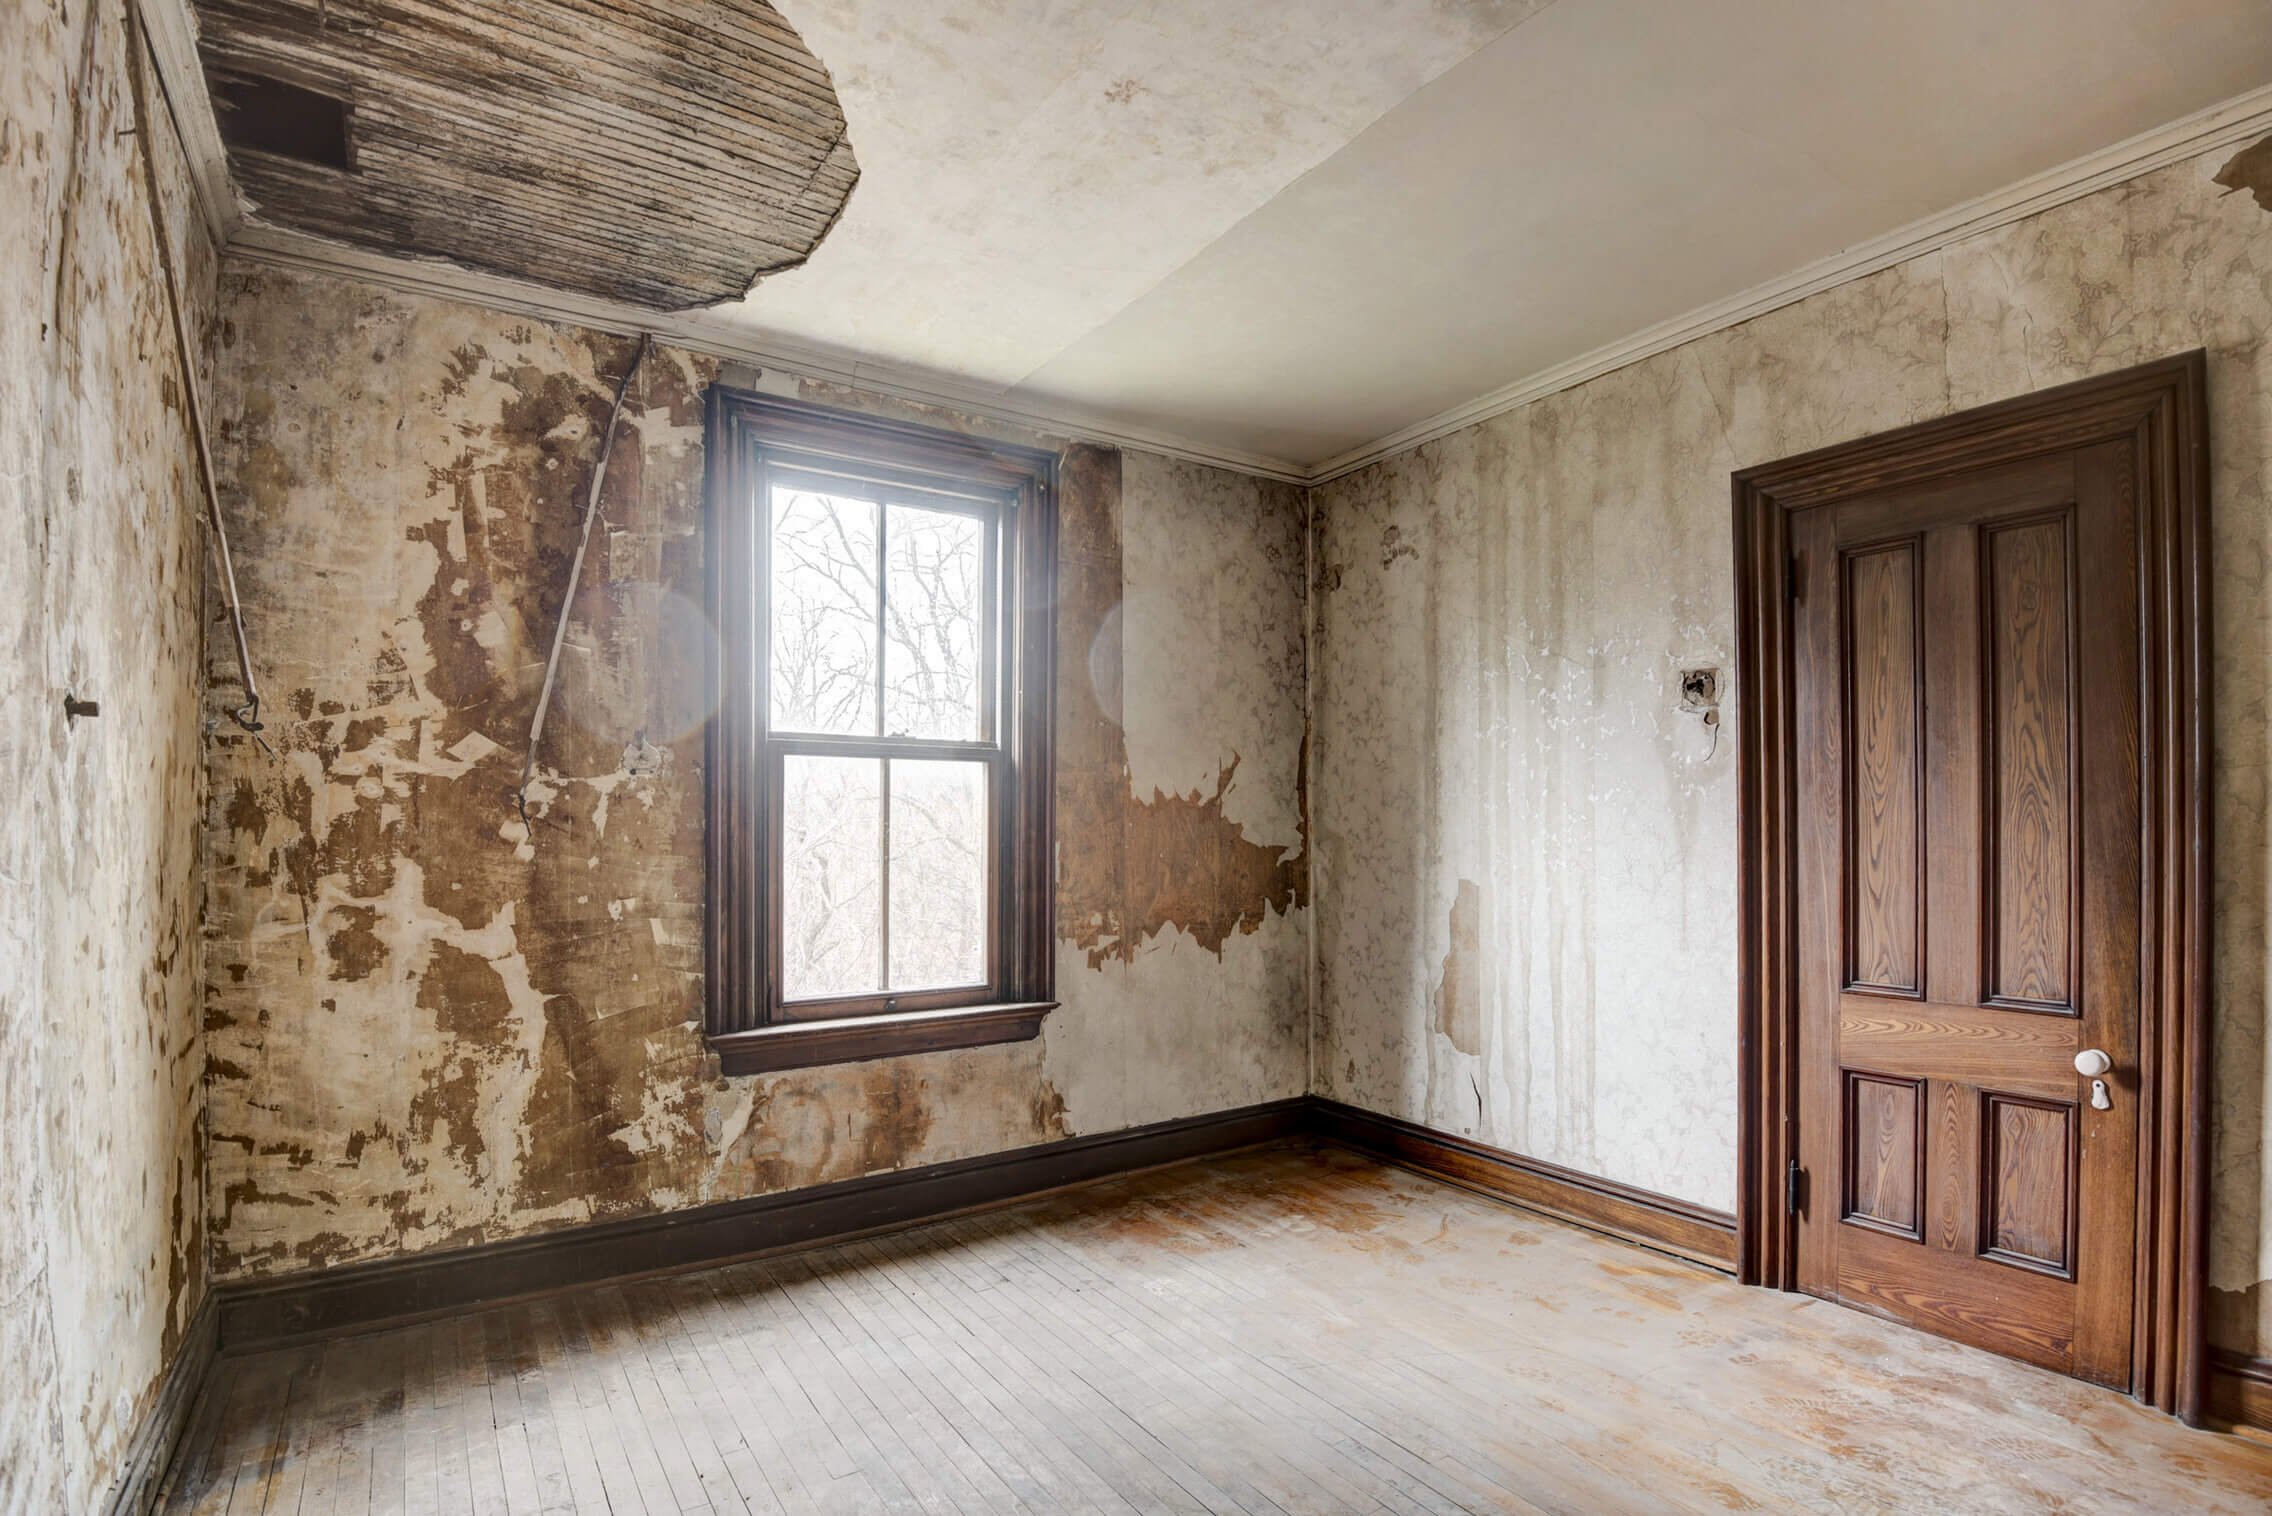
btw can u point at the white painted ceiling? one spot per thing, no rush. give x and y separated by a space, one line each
1287 228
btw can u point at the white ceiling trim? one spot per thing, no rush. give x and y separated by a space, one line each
173 37
2204 131
701 332
172 31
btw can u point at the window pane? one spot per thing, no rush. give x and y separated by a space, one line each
938 874
934 605
824 614
832 920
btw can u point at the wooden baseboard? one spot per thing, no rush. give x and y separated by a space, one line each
355 1297
2240 1393
1694 1232
248 1317
135 1493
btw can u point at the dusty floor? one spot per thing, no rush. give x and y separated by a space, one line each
1279 1331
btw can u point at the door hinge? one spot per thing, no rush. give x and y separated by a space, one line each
1791 580
1794 1184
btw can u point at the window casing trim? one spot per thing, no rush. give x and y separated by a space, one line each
744 1015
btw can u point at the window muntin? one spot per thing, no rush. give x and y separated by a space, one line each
882 612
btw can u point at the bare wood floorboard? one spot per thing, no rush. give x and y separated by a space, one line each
1289 1330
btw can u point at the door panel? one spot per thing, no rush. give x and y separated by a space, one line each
2030 764
1885 751
1968 785
1885 1157
2028 1209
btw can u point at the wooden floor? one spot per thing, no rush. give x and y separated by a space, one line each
1280 1331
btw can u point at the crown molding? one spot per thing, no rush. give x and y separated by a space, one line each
173 36
172 30
2204 131
706 332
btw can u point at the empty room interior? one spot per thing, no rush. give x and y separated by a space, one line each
1409 756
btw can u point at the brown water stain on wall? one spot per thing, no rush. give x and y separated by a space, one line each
529 1090
1191 868
816 1126
2250 169
430 1027
355 949
466 994
1129 867
445 1113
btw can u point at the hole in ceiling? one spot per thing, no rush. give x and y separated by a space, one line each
289 120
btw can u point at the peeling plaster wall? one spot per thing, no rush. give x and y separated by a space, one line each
1183 867
427 1033
1509 806
102 579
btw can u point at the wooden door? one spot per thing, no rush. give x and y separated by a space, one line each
1967 722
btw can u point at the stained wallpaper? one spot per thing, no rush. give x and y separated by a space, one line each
1525 851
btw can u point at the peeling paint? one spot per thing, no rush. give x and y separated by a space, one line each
429 1029
470 1051
1501 615
102 576
1185 866
2250 169
1130 868
1182 919
1458 1002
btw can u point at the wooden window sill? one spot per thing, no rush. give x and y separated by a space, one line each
852 1039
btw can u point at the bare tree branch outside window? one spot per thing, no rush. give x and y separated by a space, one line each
879 894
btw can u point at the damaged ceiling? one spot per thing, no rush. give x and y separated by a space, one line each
661 155
1033 167
1272 236
1285 231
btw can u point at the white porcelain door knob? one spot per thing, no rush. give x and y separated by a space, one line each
2091 1062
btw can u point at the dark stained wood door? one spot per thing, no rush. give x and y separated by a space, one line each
1967 721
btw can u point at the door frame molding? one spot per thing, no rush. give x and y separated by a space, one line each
2162 408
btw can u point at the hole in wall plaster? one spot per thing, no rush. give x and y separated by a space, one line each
1700 696
641 757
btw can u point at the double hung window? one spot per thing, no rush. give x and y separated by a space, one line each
879 762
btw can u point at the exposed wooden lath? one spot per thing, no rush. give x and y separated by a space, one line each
665 155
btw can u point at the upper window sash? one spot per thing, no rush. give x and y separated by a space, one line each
993 514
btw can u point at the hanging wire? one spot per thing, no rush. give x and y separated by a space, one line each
246 715
575 577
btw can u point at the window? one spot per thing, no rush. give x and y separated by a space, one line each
879 764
